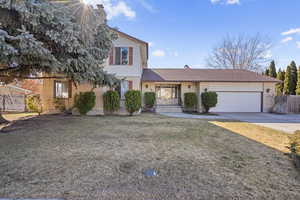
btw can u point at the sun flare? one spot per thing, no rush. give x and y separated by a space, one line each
84 2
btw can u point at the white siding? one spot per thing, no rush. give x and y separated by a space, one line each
225 86
268 90
238 102
134 70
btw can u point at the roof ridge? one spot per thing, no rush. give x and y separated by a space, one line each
200 74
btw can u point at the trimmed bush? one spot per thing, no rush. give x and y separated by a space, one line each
209 100
295 147
295 143
34 104
133 101
85 102
59 104
190 101
111 101
149 99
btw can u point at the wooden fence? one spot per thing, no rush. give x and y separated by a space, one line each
287 104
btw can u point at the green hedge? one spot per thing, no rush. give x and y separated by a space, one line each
149 99
209 100
34 104
85 102
133 101
190 100
111 101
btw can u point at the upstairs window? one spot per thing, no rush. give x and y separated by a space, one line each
121 56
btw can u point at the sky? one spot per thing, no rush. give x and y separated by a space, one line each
184 32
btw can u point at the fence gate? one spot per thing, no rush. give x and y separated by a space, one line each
12 103
293 103
288 104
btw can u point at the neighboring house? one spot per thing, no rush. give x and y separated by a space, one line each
238 90
12 98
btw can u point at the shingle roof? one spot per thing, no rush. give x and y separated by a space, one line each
204 75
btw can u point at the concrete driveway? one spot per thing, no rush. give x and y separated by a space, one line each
288 123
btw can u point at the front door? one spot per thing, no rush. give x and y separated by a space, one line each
167 94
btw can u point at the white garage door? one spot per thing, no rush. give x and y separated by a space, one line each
238 102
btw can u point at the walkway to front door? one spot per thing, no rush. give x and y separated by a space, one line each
168 94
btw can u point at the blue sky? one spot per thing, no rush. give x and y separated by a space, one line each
185 31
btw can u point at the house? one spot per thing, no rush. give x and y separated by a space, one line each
238 90
127 60
12 98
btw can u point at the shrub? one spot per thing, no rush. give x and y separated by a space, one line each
190 100
133 101
59 104
85 102
209 100
295 147
295 143
34 104
111 101
149 98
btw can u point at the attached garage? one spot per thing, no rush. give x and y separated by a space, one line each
239 102
238 90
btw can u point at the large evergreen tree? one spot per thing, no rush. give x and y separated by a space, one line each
293 77
279 86
298 82
272 70
42 39
287 89
267 72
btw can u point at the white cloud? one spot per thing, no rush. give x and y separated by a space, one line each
298 44
233 1
268 54
215 1
176 54
287 39
147 6
114 8
230 2
291 31
159 53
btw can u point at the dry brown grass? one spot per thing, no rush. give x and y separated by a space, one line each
273 138
17 116
104 158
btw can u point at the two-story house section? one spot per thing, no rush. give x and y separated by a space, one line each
127 60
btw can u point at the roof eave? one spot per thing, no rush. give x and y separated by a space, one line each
247 81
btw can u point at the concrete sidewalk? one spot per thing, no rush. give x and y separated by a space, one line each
288 123
191 116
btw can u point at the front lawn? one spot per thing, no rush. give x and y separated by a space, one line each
105 157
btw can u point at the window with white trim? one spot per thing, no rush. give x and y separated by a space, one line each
121 56
61 89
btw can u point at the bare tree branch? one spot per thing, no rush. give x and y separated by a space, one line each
241 52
